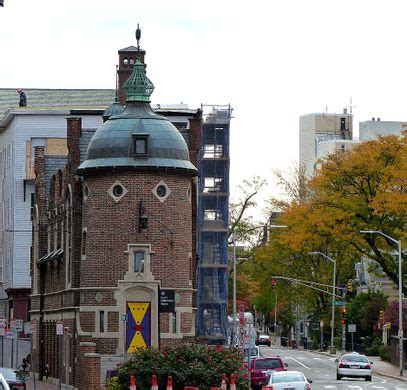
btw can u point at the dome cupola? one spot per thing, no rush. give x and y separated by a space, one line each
138 138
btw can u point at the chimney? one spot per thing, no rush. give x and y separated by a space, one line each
373 119
345 111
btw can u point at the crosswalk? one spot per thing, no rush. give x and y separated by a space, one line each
357 387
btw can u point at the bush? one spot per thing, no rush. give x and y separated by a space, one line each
373 350
384 352
189 365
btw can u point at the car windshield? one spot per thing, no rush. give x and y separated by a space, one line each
268 364
253 351
288 377
263 336
10 374
355 358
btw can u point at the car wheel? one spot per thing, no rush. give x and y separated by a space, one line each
369 378
338 377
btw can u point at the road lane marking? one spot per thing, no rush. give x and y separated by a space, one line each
301 364
378 387
317 358
355 387
330 387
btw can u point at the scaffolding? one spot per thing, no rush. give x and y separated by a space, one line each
213 212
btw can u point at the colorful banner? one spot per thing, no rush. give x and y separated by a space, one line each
138 326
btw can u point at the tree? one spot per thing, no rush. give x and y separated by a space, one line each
366 189
392 315
242 227
364 309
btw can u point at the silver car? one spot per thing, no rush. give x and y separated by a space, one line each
354 365
289 380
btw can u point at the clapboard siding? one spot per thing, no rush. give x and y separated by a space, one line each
21 129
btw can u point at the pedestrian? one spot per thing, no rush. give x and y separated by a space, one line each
24 364
46 371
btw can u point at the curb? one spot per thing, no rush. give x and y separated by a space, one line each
389 375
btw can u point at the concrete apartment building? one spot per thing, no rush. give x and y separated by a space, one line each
42 122
375 127
317 129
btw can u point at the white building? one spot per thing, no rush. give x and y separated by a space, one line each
41 122
321 128
375 127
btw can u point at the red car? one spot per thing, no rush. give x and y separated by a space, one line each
262 367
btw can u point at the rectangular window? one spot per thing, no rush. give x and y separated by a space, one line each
139 261
140 142
174 322
101 321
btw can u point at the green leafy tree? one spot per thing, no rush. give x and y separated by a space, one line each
364 310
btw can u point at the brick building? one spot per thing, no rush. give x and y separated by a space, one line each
114 228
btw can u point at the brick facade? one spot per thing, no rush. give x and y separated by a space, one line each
83 269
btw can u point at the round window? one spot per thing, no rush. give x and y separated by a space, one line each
161 191
117 191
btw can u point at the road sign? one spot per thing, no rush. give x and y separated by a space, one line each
123 317
33 326
339 303
352 328
9 333
321 324
60 328
13 324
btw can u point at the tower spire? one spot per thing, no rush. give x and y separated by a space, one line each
138 36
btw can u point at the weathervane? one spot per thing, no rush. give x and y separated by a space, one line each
138 35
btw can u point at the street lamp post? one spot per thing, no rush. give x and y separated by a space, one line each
234 338
333 295
400 332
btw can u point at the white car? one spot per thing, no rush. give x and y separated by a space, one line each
354 365
289 380
3 384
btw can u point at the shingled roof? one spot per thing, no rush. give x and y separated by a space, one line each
55 99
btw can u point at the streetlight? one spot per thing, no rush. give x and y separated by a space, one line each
400 333
234 338
333 294
273 284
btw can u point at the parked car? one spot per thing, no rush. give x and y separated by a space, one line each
293 380
254 353
262 367
3 383
263 339
14 378
353 365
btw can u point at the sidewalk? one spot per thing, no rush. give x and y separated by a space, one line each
42 385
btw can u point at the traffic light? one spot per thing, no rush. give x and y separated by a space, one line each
349 286
343 315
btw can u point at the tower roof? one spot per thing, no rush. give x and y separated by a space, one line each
115 144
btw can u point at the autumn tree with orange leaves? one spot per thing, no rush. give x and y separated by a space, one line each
361 189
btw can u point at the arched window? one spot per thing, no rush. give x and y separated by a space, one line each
125 61
131 61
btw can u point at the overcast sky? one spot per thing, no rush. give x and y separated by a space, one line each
271 60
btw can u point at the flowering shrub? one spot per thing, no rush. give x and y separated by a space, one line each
189 365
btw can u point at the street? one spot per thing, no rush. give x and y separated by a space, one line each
321 370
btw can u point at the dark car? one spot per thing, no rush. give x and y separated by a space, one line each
263 339
263 367
15 379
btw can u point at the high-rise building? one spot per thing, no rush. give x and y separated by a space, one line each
315 129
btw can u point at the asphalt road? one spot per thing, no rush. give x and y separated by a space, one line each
321 370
